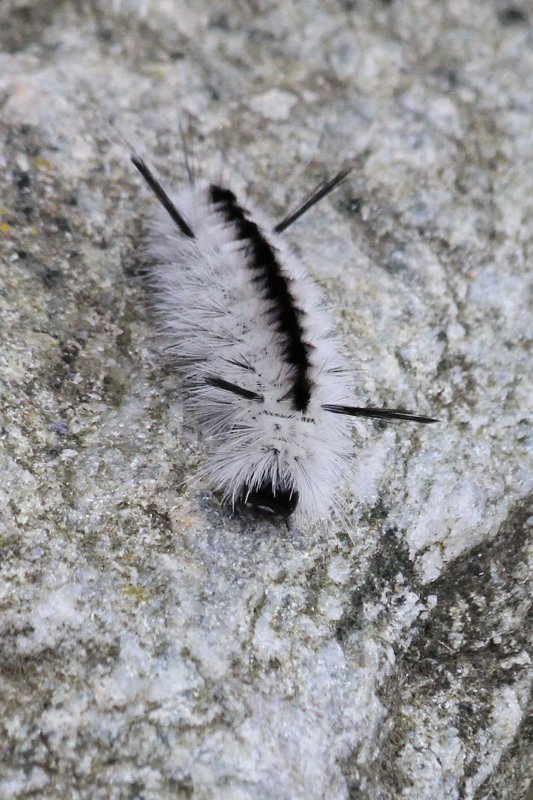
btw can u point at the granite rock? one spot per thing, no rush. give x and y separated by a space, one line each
152 644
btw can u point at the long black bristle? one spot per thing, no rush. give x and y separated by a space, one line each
378 413
162 196
220 383
317 195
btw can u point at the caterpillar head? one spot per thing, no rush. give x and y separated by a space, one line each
271 499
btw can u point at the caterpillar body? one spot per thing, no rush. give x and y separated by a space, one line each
263 370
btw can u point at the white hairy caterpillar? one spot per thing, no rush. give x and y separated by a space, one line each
262 368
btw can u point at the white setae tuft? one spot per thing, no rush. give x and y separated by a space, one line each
248 330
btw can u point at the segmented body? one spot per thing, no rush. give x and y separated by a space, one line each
248 330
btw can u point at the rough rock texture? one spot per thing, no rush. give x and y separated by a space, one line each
152 645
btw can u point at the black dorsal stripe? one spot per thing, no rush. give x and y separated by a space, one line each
268 275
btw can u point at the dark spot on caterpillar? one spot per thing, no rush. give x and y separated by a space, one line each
512 16
220 195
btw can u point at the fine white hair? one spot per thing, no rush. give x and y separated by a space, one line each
263 370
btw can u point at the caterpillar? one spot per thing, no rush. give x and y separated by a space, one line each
263 370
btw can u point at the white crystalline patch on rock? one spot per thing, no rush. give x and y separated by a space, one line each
274 104
57 614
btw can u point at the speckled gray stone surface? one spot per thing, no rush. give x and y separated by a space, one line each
152 645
